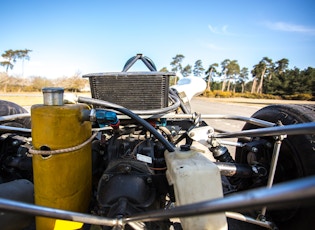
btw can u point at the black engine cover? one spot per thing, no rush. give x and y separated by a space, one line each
131 187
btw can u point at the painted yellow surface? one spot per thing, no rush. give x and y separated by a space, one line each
64 180
63 224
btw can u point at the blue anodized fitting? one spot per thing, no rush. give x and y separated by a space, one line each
105 118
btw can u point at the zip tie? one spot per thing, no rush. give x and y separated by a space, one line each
58 151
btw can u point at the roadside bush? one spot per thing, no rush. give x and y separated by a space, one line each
222 94
208 93
257 96
303 96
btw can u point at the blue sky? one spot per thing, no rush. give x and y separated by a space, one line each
100 36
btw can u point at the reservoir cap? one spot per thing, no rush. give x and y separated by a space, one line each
53 95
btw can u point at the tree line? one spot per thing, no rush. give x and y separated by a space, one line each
34 83
73 83
266 77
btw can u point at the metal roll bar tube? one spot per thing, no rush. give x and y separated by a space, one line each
278 195
273 166
17 129
14 116
16 206
295 129
248 219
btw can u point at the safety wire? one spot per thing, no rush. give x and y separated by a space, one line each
58 151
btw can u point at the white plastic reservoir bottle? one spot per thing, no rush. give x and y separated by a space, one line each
195 178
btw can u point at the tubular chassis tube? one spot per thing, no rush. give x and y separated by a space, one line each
295 129
278 195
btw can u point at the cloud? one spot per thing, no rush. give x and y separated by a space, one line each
221 31
287 27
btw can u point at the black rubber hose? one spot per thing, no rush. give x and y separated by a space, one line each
182 105
134 116
148 126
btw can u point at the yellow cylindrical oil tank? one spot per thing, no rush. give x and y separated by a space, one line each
62 180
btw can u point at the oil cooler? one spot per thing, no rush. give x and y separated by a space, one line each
133 90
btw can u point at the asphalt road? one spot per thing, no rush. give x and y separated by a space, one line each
208 106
